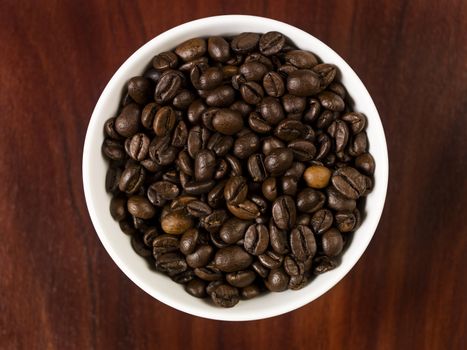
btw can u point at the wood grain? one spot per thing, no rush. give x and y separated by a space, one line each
59 289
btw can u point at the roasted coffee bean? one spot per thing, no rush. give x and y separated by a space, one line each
113 150
227 122
271 43
211 78
208 273
278 239
220 144
277 280
176 222
256 239
191 49
185 163
301 59
258 124
358 144
313 111
257 57
346 221
215 197
118 207
297 282
317 176
340 132
205 165
273 84
269 188
293 267
289 130
270 143
214 221
139 89
234 164
109 129
132 179
165 244
256 167
253 71
232 258
140 207
148 114
338 202
168 86
246 210
289 185
278 161
296 170
112 178
139 247
139 146
246 145
303 82
293 104
310 200
200 257
303 150
245 42
221 96
127 228
271 259
195 111
250 292
164 189
218 49
150 234
196 288
332 242
324 264
233 230
165 60
302 243
356 121
225 295
222 169
200 187
127 122
189 241
321 221
161 152
171 263
331 101
271 110
260 202
365 163
325 146
198 209
349 182
240 279
327 72
153 74
284 212
238 80
236 190
252 92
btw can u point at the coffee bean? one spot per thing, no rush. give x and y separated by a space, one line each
200 187
278 239
205 165
200 257
271 259
310 200
297 282
331 242
252 92
132 179
139 89
358 144
327 72
227 122
338 202
165 60
139 146
313 111
191 49
324 264
271 43
293 104
241 279
302 243
246 145
168 86
349 182
140 207
246 210
257 57
171 263
236 190
232 258
289 130
317 176
113 150
331 101
256 239
139 247
271 110
277 280
258 124
214 221
256 167
127 122
303 82
253 71
289 185
218 49
269 188
365 163
109 129
211 78
215 197
278 161
321 221
284 212
356 121
346 221
221 96
301 59
233 230
225 296
176 223
250 292
220 144
196 288
198 209
303 150
153 74
340 132
118 207
208 273
234 164
296 170
245 42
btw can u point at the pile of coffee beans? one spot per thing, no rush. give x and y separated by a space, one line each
237 165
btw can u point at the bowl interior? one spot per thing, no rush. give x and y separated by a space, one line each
117 244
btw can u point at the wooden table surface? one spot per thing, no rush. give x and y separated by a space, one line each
59 289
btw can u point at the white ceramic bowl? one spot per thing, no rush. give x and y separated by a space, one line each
118 244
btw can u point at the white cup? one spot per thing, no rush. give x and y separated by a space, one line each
118 245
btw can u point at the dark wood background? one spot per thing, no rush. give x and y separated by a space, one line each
59 289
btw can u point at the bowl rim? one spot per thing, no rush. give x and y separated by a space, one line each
383 166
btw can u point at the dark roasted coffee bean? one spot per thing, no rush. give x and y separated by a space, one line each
139 89
296 170
205 165
139 146
345 221
221 96
321 221
164 244
118 207
271 259
227 122
220 144
113 149
245 42
256 239
225 296
234 164
216 196
324 264
332 242
165 60
112 178
109 129
168 86
198 209
285 69
297 282
236 190
356 121
233 230
270 143
365 163
139 247
140 207
257 57
278 161
349 182
246 210
293 267
303 82
132 179
253 71
185 163
302 243
289 130
240 279
271 110
284 212
273 84
214 221
195 111
208 273
303 150
340 132
358 144
301 59
150 234
153 74
127 227
278 239
148 114
260 202
326 118
258 124
269 188
197 188
189 241
211 78
246 145
256 167
252 92
277 280
127 122
338 202
327 72
289 185
250 292
271 43
218 49
293 104
196 288
232 258
183 99
191 49
161 152
313 111
171 263
310 200
200 257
